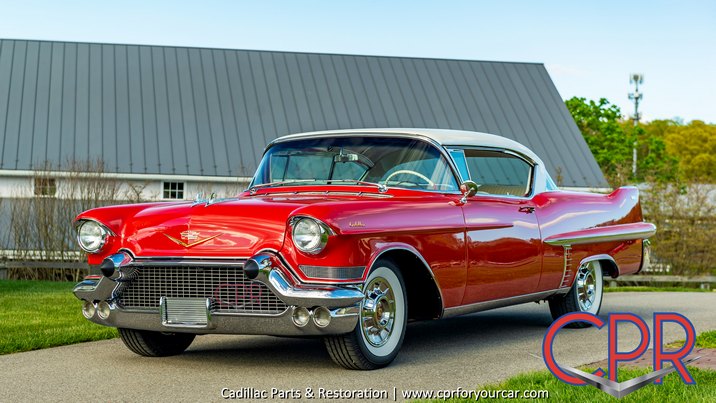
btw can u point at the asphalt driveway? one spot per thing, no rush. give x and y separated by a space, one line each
462 352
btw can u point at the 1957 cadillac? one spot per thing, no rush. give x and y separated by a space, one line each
349 235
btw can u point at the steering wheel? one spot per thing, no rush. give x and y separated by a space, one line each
407 171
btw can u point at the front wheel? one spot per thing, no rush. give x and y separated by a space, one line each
378 336
155 344
584 296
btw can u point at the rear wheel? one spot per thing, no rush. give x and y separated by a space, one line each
378 336
155 344
584 296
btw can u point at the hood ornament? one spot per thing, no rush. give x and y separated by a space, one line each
201 199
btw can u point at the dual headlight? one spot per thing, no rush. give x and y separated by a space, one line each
91 236
310 235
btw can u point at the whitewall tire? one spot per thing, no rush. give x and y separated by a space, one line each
585 295
379 334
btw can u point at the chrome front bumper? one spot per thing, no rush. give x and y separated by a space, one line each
343 320
343 303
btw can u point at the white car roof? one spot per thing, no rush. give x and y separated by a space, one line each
444 137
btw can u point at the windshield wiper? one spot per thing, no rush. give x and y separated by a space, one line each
382 188
253 188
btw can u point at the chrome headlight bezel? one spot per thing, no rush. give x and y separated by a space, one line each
102 234
320 230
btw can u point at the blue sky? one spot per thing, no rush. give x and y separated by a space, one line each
589 48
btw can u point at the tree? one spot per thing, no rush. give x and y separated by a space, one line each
611 140
695 147
605 136
654 161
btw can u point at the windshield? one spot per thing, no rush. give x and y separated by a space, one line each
393 162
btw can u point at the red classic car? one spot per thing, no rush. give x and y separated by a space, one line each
349 235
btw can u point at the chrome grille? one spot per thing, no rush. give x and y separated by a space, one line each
227 287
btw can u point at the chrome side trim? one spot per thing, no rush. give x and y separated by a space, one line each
498 303
619 232
567 264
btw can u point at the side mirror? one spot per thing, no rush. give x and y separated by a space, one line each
468 188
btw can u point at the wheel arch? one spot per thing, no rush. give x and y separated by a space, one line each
425 299
609 265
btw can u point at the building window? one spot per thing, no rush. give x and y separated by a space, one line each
173 190
45 187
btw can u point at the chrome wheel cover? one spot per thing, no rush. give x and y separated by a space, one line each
377 317
586 287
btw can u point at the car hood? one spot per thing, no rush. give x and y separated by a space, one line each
241 227
235 228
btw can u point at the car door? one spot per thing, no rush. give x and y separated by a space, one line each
502 232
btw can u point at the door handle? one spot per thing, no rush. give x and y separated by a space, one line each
527 210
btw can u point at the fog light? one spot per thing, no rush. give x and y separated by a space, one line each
88 309
301 316
103 310
321 316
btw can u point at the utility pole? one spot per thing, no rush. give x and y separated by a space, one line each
636 96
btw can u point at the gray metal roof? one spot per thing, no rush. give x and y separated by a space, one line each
195 111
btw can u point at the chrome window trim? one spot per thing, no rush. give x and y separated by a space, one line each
462 151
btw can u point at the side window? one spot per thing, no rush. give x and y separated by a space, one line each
458 156
499 173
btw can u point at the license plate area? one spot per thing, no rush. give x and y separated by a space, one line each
185 312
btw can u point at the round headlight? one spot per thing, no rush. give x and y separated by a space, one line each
309 236
91 236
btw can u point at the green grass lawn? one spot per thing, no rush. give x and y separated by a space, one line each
703 340
672 390
41 314
706 339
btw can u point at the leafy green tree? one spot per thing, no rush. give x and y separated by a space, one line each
611 140
654 161
695 147
611 145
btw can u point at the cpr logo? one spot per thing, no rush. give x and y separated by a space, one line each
677 358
